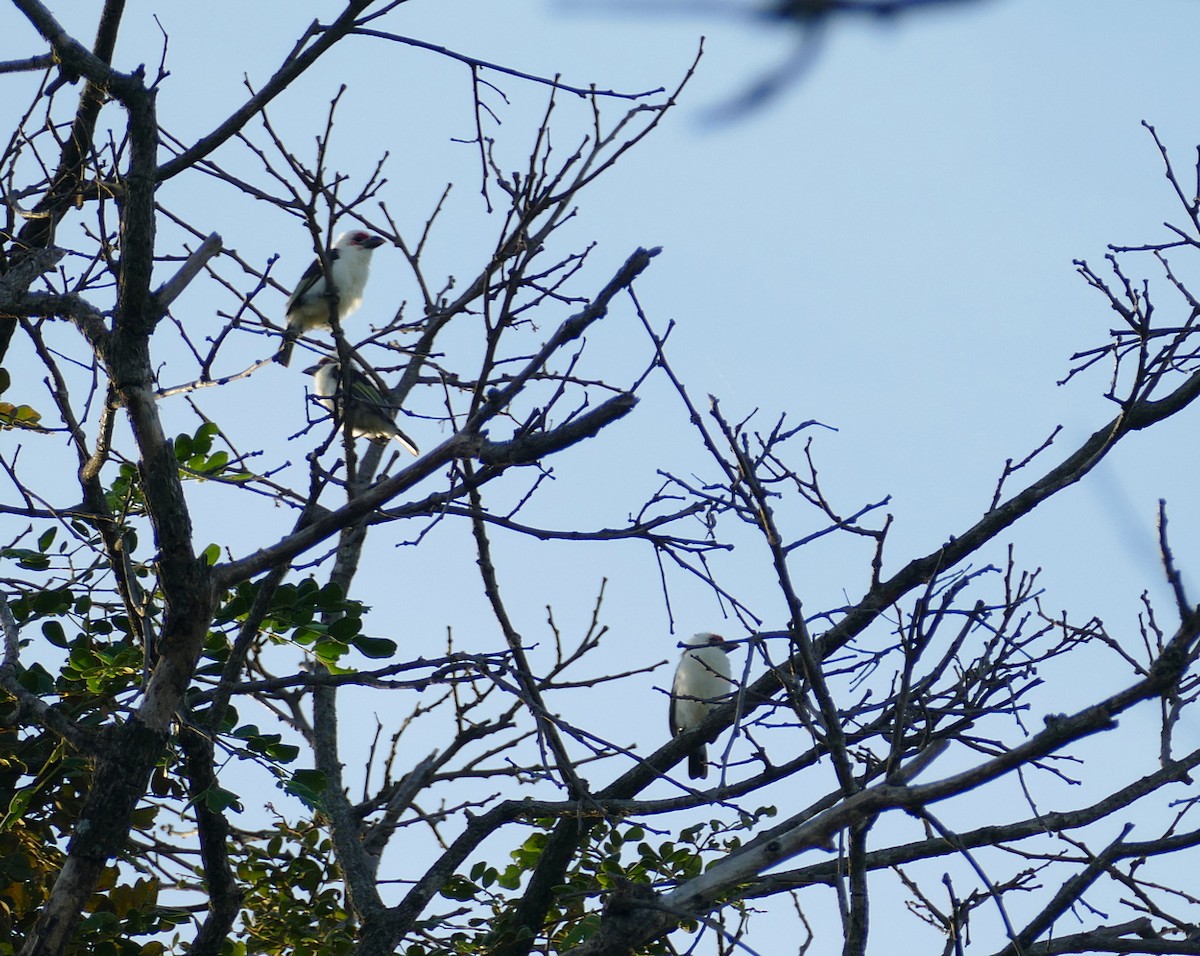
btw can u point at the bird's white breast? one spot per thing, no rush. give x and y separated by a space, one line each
703 673
350 271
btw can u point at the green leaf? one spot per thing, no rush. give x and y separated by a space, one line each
345 629
219 799
18 416
459 888
510 879
57 601
17 807
283 753
308 633
27 558
54 633
377 648
37 680
328 651
308 785
203 439
331 597
82 659
581 931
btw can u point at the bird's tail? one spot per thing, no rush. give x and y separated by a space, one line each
698 763
284 355
406 443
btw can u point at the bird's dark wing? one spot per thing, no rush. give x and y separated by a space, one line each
309 279
674 727
362 390
365 395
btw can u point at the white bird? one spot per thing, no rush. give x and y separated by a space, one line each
308 306
702 681
365 409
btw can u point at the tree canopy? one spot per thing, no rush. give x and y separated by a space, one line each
211 743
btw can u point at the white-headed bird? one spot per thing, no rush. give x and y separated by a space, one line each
702 682
352 398
308 307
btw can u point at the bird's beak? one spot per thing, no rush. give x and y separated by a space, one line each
374 242
312 371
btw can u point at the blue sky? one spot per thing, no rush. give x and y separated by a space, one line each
887 248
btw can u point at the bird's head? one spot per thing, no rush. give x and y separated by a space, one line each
358 239
327 362
705 639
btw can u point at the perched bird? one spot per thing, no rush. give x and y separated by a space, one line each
365 409
702 680
308 307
